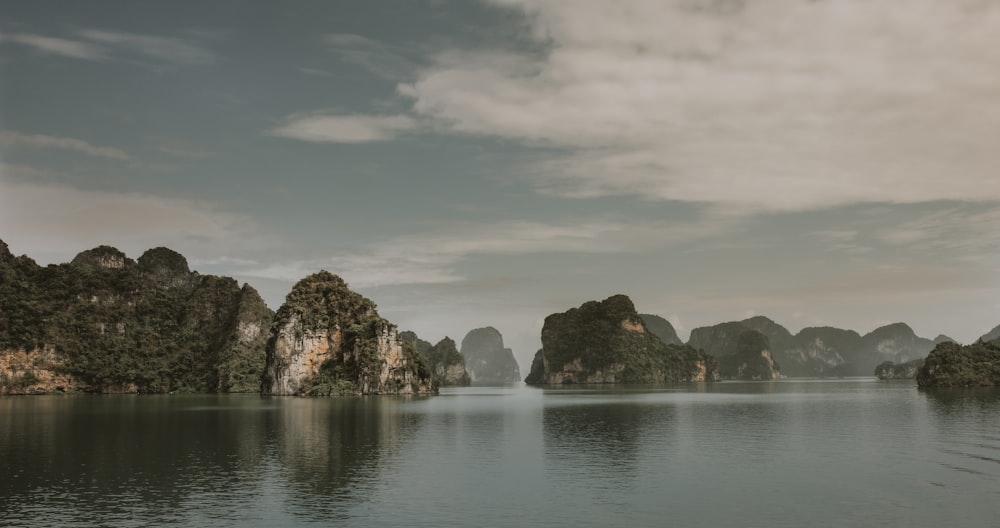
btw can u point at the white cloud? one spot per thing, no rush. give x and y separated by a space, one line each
842 241
57 46
53 222
966 231
166 49
16 139
781 105
101 45
14 171
435 257
389 62
330 128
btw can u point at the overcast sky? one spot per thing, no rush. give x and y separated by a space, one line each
464 164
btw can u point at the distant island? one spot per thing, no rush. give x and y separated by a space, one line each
327 340
447 364
109 324
106 323
892 371
954 365
486 358
819 351
608 342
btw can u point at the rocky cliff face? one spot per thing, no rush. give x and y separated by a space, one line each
607 342
166 268
240 361
835 352
815 351
421 346
827 351
718 340
661 328
895 342
35 371
742 352
486 359
445 361
888 370
448 364
752 360
820 351
103 257
536 375
778 337
107 323
327 339
954 365
992 335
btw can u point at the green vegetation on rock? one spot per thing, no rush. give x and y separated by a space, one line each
742 352
816 351
778 337
447 363
887 370
420 345
821 351
110 324
661 328
536 375
327 339
240 363
752 360
954 365
607 342
992 335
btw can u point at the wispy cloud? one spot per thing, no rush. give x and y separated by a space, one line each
74 219
99 44
387 61
11 139
782 105
167 49
434 257
75 49
331 128
842 241
965 231
314 71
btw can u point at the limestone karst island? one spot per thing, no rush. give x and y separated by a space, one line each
107 323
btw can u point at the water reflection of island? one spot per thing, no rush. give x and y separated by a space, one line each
159 460
117 459
598 443
330 450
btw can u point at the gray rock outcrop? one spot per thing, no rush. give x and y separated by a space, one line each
486 359
448 364
327 339
891 371
661 328
607 342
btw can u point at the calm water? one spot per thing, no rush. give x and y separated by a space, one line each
789 453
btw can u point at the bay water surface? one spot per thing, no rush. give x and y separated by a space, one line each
853 452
